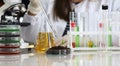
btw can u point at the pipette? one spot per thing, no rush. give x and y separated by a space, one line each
49 24
48 20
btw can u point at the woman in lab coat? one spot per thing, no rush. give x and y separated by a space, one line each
58 13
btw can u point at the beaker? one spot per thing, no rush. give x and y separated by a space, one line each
44 41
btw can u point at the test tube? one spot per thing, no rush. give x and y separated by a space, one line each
77 37
72 20
101 44
103 26
72 26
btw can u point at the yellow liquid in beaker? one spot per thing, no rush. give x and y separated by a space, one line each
44 41
90 43
52 39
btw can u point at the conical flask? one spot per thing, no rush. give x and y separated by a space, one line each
45 39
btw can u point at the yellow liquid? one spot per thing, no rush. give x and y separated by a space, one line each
43 43
52 39
90 43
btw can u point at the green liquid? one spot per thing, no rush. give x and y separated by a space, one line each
77 37
110 39
9 30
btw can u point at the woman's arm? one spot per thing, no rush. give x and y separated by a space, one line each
37 20
36 6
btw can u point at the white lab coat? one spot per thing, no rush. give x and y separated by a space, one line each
30 33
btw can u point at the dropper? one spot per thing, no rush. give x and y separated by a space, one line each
49 24
48 20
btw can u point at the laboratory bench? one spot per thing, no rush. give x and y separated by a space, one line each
77 58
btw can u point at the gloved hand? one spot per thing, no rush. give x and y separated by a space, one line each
62 41
34 6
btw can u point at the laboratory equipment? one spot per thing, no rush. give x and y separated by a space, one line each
48 21
46 37
44 41
74 27
72 20
10 29
90 43
104 34
58 50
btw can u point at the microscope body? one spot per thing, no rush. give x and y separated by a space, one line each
10 29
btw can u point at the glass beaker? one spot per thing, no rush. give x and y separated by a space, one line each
44 41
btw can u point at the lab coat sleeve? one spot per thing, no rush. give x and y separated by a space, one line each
29 33
116 8
116 5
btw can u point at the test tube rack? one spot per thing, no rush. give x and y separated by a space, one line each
83 37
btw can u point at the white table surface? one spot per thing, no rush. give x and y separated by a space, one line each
102 58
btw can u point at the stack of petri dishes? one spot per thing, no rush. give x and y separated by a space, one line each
9 38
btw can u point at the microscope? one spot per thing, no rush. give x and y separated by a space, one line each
10 29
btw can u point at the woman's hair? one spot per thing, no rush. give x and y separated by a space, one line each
61 9
1 3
